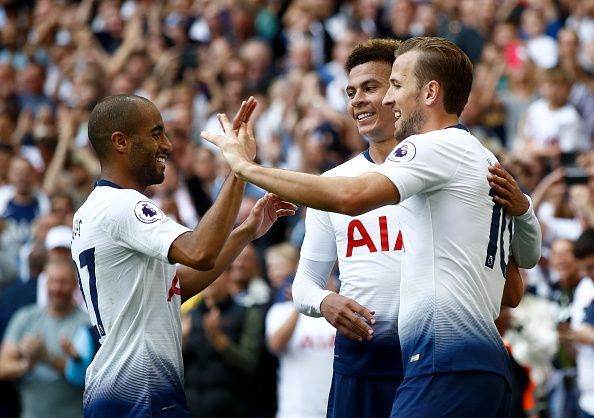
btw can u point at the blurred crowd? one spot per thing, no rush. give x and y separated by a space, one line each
248 353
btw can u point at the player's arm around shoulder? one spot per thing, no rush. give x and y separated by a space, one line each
527 239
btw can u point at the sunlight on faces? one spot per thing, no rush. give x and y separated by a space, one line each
368 84
150 147
404 97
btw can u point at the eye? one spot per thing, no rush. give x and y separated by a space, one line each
350 94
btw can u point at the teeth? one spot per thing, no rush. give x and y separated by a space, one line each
161 160
397 114
364 115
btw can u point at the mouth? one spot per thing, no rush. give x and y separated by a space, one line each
397 115
161 160
363 116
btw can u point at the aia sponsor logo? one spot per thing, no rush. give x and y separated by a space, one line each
174 289
356 229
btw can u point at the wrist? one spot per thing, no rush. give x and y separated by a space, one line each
241 169
25 365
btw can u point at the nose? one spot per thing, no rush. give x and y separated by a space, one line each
388 100
357 99
166 143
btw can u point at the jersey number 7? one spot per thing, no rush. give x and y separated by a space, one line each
87 259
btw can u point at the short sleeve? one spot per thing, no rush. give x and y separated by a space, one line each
17 326
137 223
277 315
419 164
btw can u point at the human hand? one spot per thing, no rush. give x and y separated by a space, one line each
507 191
211 321
243 116
244 113
68 348
584 335
266 211
236 148
33 348
348 317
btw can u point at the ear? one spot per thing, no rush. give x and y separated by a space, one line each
432 92
119 141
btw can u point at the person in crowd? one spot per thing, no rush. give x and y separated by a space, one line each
31 349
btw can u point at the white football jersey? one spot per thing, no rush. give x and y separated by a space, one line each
457 246
369 249
305 367
120 244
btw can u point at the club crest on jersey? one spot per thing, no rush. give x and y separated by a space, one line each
405 152
147 212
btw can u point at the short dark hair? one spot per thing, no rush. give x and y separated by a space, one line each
117 113
443 61
584 246
372 50
556 75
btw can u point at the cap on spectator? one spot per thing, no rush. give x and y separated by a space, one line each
58 236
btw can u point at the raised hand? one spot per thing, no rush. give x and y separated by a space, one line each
507 191
244 113
238 149
265 213
348 317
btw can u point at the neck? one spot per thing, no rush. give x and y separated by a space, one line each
23 198
439 121
122 179
59 311
379 150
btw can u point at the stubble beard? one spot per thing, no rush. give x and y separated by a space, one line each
410 126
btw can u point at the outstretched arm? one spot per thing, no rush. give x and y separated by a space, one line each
266 211
348 195
527 238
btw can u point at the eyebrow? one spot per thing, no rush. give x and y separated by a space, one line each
363 84
158 129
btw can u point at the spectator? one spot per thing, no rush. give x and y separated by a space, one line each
221 350
31 349
580 334
304 346
552 124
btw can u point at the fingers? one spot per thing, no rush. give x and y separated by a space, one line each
355 328
212 138
244 113
251 106
224 122
239 116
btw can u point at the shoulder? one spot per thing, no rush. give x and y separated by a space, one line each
346 168
27 313
585 288
116 204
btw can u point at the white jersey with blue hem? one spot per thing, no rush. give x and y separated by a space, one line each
369 248
120 246
457 241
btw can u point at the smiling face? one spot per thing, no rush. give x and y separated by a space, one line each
403 98
367 87
149 147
